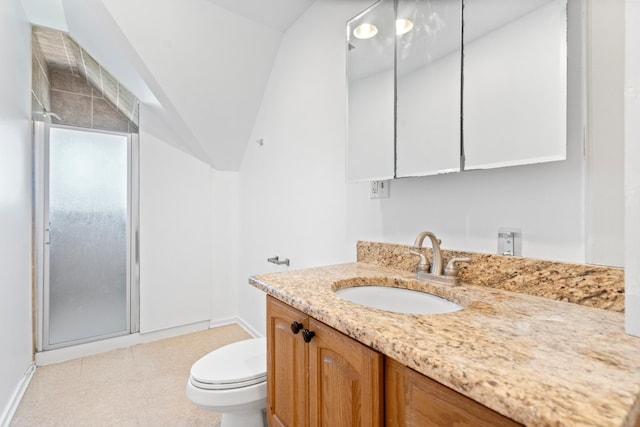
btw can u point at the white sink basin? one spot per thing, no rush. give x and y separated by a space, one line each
397 300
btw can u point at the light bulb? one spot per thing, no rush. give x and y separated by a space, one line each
403 26
365 31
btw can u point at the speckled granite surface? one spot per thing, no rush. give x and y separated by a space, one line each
590 285
538 361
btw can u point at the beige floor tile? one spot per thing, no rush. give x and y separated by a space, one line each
143 385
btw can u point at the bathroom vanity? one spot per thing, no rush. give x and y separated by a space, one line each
506 358
335 380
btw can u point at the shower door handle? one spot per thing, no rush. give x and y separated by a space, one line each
47 236
137 246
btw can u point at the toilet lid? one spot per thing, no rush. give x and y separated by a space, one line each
240 364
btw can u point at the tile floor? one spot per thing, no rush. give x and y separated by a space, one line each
143 385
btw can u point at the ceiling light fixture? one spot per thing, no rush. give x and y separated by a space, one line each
365 31
403 26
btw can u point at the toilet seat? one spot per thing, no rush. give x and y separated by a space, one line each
237 365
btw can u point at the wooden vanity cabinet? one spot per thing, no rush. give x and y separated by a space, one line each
287 384
331 380
412 399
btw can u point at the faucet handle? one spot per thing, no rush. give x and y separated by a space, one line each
423 265
452 268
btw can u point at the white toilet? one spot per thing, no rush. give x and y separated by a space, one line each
232 380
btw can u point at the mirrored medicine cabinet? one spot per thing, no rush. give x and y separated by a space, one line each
440 86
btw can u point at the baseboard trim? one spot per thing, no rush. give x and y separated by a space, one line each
18 394
89 349
231 320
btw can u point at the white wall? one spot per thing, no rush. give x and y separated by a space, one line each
175 235
224 302
632 168
293 200
292 189
15 206
212 64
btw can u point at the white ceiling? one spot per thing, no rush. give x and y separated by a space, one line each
48 13
276 14
199 67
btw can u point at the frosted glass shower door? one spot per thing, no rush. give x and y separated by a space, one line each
86 243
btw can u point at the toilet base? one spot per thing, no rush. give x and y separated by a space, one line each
254 418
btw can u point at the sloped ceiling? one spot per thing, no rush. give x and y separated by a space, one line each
276 14
61 52
199 67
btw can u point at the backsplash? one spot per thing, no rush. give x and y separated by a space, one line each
590 285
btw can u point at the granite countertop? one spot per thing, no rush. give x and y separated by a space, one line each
538 361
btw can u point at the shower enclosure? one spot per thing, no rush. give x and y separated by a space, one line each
87 232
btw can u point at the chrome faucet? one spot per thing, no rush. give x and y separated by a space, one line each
436 259
447 275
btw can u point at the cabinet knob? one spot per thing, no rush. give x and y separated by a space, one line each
296 326
307 335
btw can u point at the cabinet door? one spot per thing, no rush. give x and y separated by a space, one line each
428 90
345 380
411 399
370 94
286 367
514 103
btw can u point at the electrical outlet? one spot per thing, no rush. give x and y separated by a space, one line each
379 190
510 241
